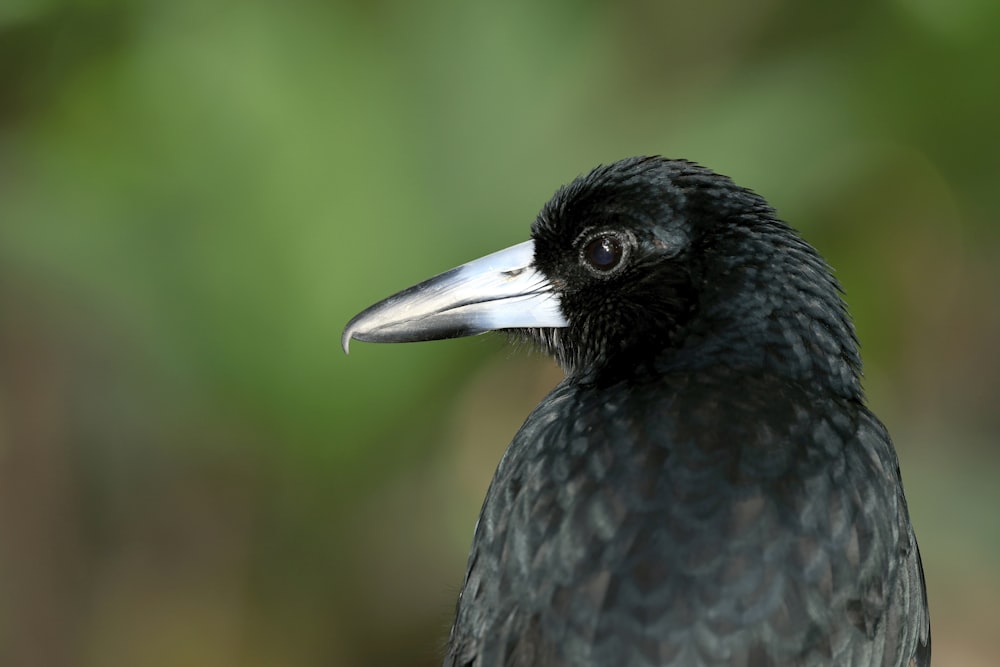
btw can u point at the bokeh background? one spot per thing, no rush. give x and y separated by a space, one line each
195 197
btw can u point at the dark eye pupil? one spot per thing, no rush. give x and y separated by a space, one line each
603 253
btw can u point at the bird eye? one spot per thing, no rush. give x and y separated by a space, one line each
603 253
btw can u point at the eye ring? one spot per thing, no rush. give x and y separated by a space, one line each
606 252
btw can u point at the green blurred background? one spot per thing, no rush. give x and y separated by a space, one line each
195 197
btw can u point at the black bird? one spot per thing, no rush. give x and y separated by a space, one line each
706 486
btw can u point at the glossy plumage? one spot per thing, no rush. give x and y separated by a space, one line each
706 486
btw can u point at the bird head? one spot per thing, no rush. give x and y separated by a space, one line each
646 261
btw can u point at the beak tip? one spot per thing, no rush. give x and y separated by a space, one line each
345 339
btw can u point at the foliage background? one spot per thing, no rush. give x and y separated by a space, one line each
196 196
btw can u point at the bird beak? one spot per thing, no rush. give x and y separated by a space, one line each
499 291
